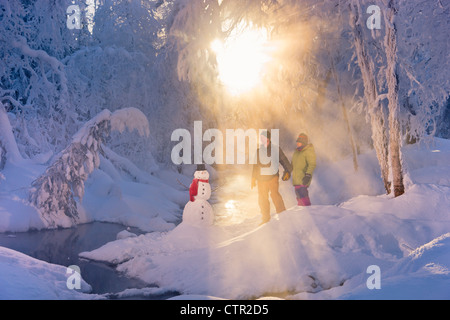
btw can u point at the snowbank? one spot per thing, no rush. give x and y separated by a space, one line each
16 213
423 274
26 278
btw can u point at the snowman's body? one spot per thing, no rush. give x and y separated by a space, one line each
204 190
198 211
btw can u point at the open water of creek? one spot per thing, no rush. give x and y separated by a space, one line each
62 246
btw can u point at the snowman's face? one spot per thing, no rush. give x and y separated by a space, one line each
204 175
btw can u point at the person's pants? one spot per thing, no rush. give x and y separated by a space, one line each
264 188
301 192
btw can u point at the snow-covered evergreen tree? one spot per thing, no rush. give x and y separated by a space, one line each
54 192
33 41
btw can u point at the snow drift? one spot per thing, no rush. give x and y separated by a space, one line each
27 278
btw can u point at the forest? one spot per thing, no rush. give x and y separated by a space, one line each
95 95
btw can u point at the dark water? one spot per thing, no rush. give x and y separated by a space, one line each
62 246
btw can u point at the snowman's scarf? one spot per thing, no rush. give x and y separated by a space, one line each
193 189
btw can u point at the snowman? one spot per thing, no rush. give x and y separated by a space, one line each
198 211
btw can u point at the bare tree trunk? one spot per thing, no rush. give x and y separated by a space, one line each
376 112
392 82
381 143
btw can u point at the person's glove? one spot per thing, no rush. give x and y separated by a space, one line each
286 176
253 184
306 179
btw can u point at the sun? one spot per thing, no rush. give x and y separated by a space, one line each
241 57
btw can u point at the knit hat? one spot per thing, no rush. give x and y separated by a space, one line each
201 167
303 138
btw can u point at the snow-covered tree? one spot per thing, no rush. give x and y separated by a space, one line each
33 40
54 192
53 78
387 67
399 104
395 143
292 82
376 110
130 62
157 56
423 61
8 146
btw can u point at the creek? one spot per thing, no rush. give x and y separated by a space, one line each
62 247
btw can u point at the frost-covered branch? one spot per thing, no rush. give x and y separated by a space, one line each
57 66
424 85
54 192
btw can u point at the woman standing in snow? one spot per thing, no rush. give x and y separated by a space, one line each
303 165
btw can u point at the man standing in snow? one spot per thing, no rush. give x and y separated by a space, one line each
303 165
269 183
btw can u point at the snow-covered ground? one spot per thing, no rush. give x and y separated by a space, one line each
319 252
23 277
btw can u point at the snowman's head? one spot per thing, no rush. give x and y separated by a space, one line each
201 174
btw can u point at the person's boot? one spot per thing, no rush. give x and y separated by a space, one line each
303 202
